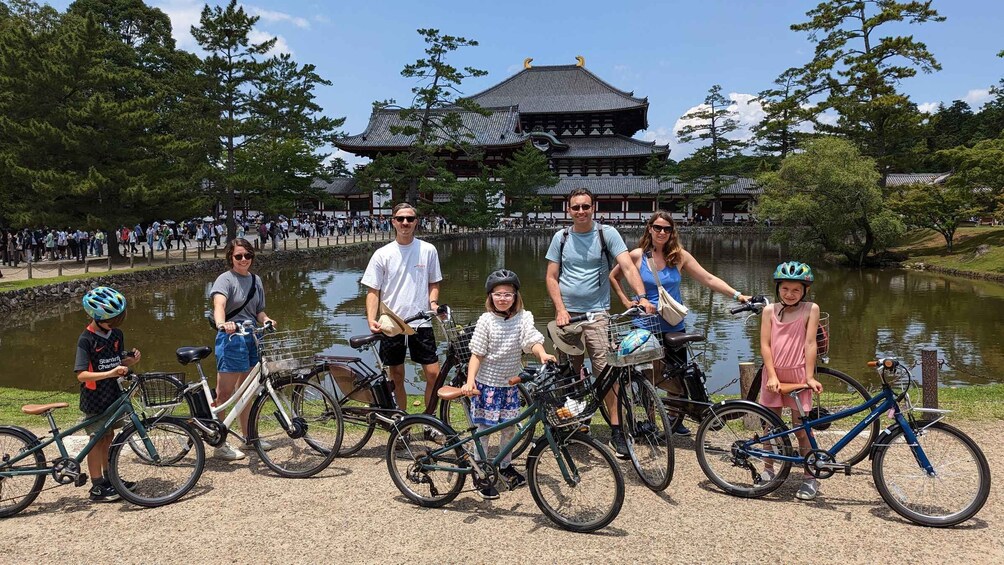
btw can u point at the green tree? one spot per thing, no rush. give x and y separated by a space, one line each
522 177
827 199
990 119
712 122
855 71
938 207
778 132
473 202
980 169
663 170
433 120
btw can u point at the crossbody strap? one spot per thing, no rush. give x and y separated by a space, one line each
651 267
254 287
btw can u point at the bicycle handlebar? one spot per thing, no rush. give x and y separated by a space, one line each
755 304
590 317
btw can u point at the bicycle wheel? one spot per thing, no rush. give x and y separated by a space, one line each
593 492
412 466
648 432
955 492
358 426
311 441
840 392
719 440
153 412
454 414
18 491
160 476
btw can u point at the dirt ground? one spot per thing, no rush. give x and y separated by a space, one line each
241 513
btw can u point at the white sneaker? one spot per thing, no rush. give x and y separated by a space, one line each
265 445
228 453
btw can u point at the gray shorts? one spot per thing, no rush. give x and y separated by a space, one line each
95 426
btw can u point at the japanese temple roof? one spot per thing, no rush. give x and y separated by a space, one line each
501 128
629 186
338 186
902 179
607 146
558 89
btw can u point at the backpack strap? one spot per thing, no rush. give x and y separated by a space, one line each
604 251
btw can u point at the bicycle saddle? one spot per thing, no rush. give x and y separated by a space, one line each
678 339
788 388
187 355
36 409
357 341
449 392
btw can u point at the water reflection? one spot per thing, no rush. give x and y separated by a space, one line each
876 312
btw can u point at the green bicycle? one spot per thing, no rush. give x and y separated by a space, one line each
164 462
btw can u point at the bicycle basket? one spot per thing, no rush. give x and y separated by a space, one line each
161 390
568 401
823 334
286 352
634 340
460 340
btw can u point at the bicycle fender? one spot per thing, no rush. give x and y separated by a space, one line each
880 441
427 419
778 422
24 432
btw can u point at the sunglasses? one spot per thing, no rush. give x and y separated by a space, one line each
503 295
406 219
578 207
663 229
242 256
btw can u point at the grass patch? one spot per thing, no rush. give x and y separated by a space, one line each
928 246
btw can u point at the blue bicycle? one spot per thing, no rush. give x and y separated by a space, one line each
927 471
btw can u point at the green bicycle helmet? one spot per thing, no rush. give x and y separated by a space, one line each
793 271
104 303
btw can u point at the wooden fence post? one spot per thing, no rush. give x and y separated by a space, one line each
29 270
87 267
109 262
132 260
167 256
59 269
929 377
747 372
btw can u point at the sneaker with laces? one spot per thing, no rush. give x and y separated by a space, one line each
680 430
512 477
228 453
104 492
766 476
619 444
264 443
488 493
808 490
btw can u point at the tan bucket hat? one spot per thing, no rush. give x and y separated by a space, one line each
568 339
391 324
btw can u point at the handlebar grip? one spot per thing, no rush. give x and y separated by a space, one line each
873 364
738 309
513 381
579 318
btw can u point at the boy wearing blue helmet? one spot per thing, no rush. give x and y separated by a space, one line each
101 359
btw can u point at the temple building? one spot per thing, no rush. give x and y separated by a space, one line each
584 124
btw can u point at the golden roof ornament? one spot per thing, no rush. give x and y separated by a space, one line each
526 62
580 61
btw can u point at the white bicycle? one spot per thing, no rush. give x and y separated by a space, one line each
298 421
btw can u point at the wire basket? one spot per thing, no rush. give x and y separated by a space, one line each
161 390
459 338
823 334
568 401
632 341
287 351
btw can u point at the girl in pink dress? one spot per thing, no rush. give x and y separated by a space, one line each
788 347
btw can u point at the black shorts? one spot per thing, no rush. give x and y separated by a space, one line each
421 344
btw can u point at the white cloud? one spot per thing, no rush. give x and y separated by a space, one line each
184 14
977 96
745 109
272 16
928 107
322 19
351 160
258 36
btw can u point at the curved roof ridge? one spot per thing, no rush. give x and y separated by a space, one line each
558 88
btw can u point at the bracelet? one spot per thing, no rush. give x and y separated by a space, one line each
736 295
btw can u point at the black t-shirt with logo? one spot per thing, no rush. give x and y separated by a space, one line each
98 353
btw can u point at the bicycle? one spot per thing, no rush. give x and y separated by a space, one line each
365 392
161 475
285 407
579 487
911 458
840 391
643 417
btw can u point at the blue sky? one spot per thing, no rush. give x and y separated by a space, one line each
671 52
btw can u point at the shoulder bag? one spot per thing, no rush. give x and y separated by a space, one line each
670 310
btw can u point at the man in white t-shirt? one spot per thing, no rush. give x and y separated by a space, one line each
405 275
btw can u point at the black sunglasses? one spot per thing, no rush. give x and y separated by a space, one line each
406 219
663 229
578 207
241 256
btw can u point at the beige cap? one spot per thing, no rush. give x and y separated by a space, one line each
391 324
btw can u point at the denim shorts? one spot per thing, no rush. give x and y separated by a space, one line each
235 353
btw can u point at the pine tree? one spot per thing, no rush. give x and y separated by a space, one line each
522 177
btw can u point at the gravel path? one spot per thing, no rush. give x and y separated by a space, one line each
240 513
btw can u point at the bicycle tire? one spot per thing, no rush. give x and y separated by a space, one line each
453 413
840 391
14 441
148 412
724 428
896 472
313 440
358 425
648 432
152 488
592 466
408 451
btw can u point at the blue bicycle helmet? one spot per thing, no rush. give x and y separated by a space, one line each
793 271
104 303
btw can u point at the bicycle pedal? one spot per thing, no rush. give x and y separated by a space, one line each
80 480
847 470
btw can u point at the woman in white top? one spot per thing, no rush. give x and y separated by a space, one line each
500 337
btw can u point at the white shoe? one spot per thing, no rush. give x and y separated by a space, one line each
228 453
264 444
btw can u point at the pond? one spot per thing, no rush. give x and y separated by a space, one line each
873 312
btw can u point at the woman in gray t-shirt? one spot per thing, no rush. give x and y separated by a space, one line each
236 354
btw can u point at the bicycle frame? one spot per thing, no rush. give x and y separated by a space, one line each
113 413
879 404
